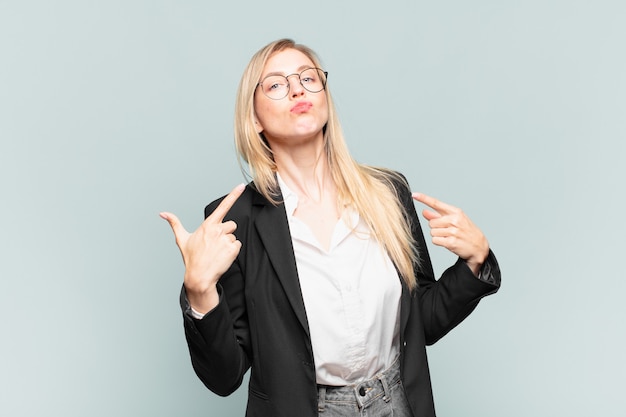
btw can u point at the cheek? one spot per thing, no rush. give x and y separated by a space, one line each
265 112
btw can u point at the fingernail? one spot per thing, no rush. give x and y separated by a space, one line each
163 216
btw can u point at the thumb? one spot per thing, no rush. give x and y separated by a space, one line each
430 215
175 224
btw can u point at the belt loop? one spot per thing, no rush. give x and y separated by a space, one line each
387 393
321 398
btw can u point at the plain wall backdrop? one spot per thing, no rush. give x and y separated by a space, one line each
112 111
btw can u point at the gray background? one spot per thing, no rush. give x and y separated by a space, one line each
111 111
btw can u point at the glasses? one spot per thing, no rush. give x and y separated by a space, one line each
276 87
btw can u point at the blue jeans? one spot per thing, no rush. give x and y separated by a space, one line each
381 396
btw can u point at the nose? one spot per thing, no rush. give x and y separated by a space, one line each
295 87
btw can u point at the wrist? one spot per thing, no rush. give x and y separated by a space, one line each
475 262
202 301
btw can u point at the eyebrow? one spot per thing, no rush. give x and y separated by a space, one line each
300 69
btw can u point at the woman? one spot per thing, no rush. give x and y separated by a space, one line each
316 275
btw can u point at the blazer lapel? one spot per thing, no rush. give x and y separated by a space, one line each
273 228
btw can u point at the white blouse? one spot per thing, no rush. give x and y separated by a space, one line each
352 298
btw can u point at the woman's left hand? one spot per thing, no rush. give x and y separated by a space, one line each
452 229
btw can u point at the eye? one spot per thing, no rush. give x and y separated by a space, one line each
273 83
309 76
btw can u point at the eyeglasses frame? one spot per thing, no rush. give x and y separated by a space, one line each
259 84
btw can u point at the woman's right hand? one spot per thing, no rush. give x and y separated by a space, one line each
207 253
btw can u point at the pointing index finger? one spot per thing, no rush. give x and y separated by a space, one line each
225 205
439 206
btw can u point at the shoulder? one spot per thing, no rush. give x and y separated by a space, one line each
242 206
399 182
395 180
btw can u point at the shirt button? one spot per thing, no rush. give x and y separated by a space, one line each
362 392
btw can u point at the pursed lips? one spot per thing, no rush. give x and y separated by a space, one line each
301 107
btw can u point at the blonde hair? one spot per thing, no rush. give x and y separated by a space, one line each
356 183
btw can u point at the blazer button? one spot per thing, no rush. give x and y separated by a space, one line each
362 392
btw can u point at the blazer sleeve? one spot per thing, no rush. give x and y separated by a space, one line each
219 342
445 302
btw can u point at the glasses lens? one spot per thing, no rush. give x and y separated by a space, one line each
313 80
275 86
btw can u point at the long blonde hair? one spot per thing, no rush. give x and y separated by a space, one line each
356 183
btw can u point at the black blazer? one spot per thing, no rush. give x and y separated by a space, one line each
260 321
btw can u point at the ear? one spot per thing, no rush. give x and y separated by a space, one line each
258 126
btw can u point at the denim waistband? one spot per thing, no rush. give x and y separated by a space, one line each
363 393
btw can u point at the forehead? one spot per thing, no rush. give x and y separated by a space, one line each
287 62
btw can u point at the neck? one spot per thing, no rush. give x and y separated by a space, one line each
305 170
